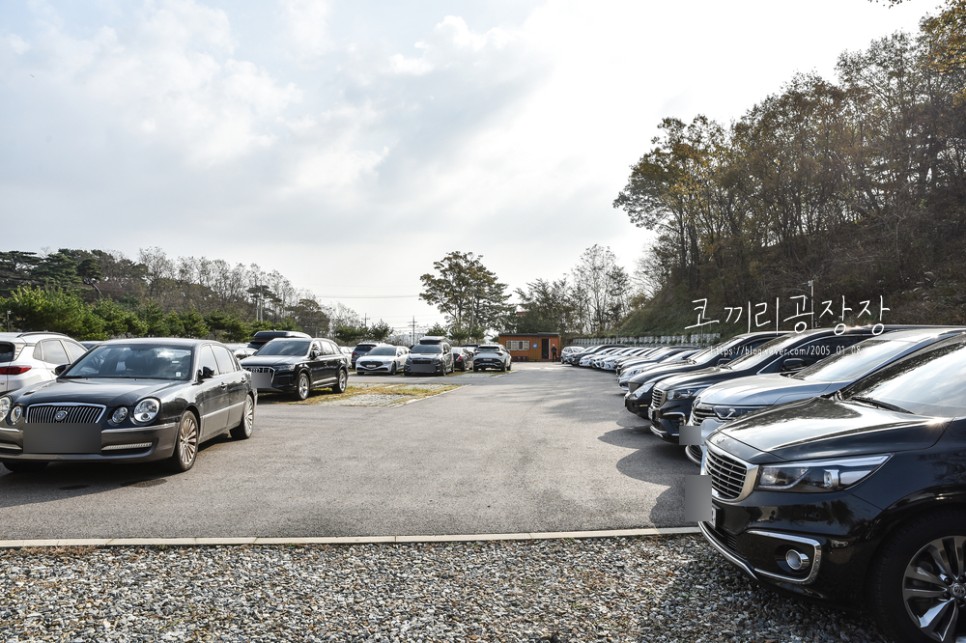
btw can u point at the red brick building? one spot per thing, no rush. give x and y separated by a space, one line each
532 347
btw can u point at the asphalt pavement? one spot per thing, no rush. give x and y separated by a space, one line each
543 448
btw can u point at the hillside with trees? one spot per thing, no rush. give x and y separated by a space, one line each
841 192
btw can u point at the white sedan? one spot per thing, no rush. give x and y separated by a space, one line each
384 358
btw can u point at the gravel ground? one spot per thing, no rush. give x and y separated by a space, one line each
611 589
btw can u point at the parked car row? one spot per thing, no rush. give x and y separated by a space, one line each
431 355
837 463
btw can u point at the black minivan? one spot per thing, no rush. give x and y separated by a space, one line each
856 497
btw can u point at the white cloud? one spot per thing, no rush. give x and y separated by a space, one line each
307 23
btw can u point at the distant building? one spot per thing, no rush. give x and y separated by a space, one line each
532 347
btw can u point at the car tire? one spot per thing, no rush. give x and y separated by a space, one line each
922 568
393 369
303 386
244 429
25 466
185 444
341 382
509 366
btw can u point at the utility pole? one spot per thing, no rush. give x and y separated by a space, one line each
414 330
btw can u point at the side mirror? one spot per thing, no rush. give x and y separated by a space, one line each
60 368
792 364
205 373
314 355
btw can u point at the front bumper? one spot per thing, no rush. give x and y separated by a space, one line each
666 421
87 442
756 535
429 368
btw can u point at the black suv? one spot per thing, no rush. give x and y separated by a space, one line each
673 397
857 495
297 365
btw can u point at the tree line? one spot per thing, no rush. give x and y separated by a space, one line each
94 294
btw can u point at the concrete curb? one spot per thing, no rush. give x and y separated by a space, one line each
346 540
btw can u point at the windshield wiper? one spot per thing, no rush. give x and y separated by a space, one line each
880 404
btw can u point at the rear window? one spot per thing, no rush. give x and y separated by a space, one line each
7 352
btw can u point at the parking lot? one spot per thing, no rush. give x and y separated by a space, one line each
543 448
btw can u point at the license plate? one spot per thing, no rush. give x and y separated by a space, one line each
62 438
261 380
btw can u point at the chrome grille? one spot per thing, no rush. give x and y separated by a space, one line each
700 413
76 413
727 474
658 398
260 369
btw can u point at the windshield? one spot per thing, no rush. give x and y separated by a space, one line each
285 347
427 348
718 351
765 353
382 350
931 381
134 361
853 361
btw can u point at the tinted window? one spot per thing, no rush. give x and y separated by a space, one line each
6 352
931 381
226 361
51 351
383 350
290 347
427 348
854 361
206 359
74 350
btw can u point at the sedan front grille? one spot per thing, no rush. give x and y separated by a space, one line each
728 474
658 398
72 413
700 413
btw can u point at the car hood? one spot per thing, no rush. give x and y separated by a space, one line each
273 360
697 379
657 371
824 428
109 391
765 390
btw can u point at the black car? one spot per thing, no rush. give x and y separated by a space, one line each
133 400
860 495
673 397
297 366
640 387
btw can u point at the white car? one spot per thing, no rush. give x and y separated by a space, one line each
384 358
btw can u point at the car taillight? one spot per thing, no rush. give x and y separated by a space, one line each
13 370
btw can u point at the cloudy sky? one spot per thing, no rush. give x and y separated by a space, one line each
350 144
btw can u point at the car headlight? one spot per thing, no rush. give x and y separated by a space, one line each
146 410
284 368
15 414
4 408
818 475
119 415
728 412
683 393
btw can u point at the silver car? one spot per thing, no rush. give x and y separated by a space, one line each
492 356
384 358
30 358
